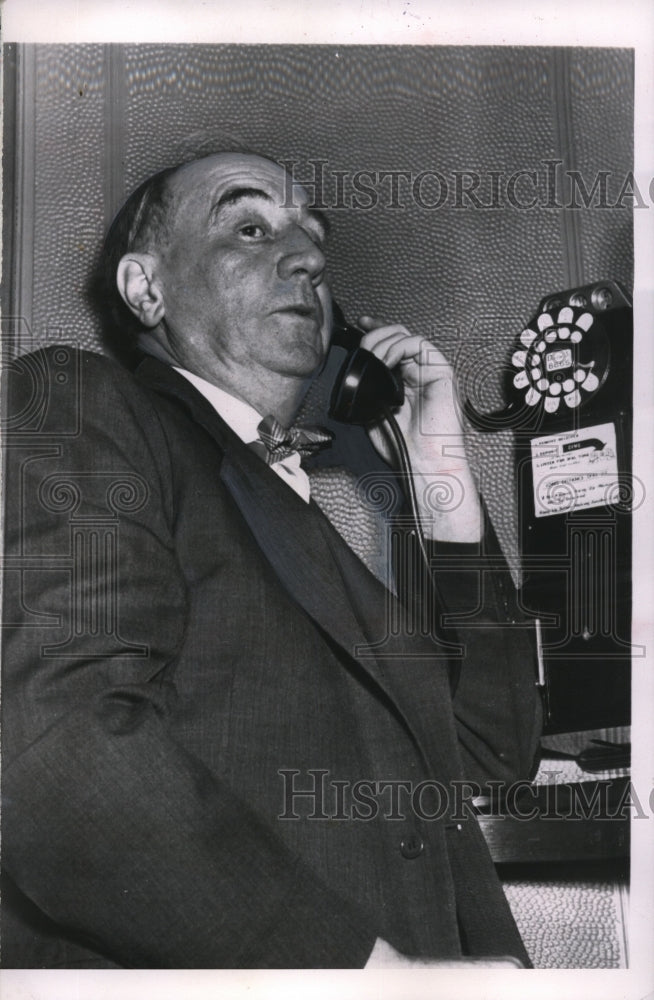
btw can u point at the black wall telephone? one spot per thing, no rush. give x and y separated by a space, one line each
569 387
364 387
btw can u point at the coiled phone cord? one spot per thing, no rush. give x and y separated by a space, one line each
407 472
447 637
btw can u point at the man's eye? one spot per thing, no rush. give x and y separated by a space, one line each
252 231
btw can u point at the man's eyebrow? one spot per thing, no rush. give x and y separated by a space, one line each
236 194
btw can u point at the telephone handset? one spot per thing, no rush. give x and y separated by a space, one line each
365 389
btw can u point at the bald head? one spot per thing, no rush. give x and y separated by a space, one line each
151 213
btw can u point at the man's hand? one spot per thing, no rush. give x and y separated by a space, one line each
429 420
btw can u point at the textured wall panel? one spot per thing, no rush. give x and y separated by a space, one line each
374 109
601 90
69 205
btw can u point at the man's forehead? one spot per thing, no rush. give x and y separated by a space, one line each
221 172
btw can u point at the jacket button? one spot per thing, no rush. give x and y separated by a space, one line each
411 846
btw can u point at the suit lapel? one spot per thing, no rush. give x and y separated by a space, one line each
288 533
322 575
286 529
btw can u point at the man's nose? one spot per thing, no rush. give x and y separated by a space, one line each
302 254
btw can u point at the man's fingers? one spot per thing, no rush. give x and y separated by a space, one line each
375 334
367 322
393 344
395 350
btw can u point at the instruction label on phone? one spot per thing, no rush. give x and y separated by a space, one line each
575 470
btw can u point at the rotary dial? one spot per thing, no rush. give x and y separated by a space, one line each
548 362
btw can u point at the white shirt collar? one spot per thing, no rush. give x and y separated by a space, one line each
244 420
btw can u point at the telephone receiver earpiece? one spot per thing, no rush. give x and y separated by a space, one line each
364 388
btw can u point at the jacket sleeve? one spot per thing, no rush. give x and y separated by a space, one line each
116 833
472 602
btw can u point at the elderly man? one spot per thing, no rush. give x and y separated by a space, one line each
193 708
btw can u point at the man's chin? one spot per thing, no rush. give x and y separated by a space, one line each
305 360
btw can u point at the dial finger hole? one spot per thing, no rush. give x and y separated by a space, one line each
573 399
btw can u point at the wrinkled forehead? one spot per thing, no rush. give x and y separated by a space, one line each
214 176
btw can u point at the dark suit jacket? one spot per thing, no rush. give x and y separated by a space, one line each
188 646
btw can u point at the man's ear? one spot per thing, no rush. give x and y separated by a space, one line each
139 288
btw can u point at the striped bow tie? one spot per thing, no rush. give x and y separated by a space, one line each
280 441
